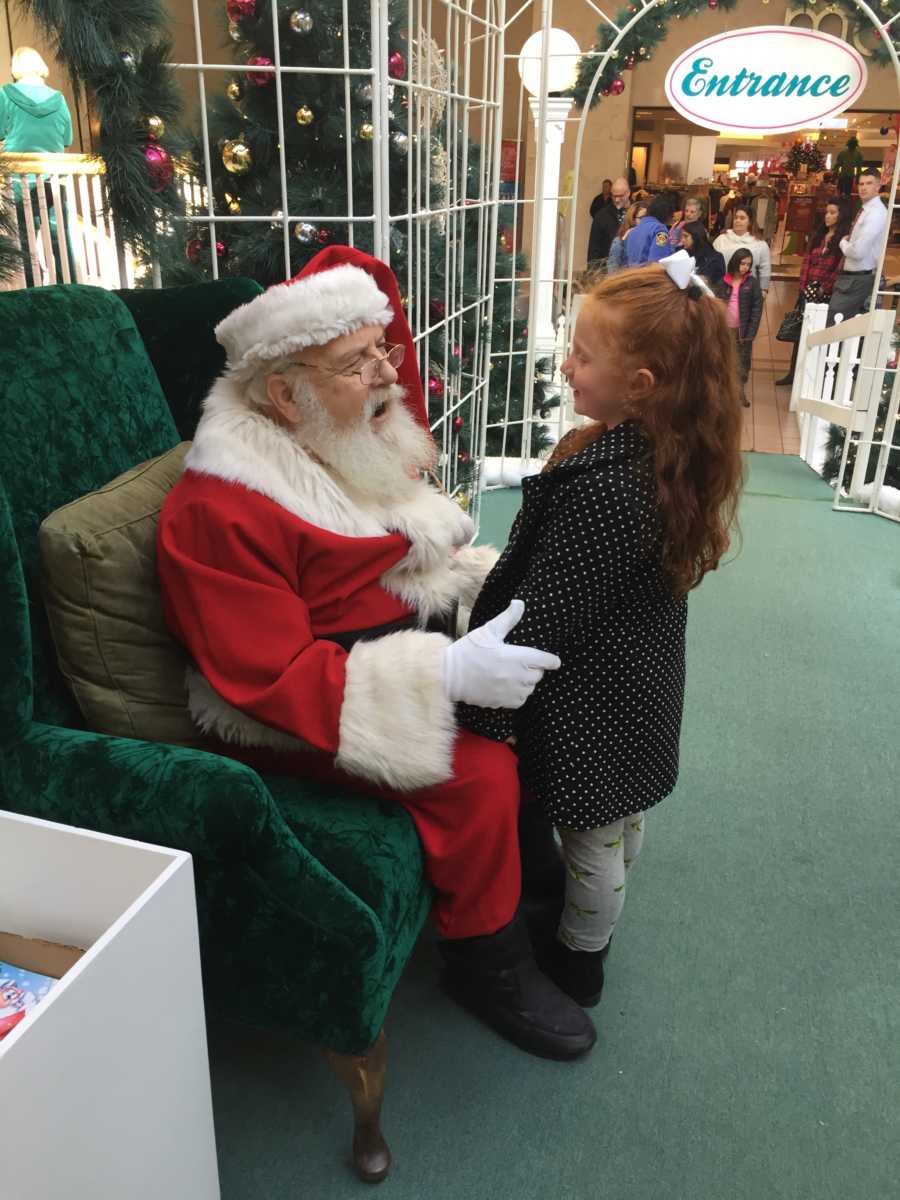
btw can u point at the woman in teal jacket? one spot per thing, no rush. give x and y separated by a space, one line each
35 119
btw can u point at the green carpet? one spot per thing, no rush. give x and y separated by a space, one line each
749 1041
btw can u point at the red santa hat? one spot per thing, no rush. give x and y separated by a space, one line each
397 330
339 291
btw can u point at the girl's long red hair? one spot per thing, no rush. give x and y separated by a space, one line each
691 419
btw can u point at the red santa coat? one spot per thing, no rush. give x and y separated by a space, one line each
262 555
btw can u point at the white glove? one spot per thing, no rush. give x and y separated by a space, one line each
481 669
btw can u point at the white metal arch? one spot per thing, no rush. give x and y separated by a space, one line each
567 281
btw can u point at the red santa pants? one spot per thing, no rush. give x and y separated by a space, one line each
468 828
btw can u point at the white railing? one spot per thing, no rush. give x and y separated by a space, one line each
66 231
846 375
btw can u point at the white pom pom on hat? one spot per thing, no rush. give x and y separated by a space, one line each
311 311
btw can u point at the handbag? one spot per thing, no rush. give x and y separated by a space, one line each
791 324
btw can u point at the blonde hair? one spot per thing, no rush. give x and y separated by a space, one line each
25 62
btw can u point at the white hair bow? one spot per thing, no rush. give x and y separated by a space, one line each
680 269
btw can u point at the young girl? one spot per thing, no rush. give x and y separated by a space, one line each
630 513
744 235
743 309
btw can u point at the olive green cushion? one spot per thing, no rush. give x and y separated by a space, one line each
98 561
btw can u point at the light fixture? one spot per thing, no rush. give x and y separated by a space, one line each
563 53
738 135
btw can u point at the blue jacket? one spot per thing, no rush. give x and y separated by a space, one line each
648 242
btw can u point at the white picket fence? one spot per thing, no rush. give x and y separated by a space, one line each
840 379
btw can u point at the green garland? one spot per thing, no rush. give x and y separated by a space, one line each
118 51
641 42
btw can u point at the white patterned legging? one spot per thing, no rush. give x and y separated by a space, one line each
596 862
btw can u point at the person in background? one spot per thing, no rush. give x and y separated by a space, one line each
710 263
604 198
692 211
34 119
606 224
743 234
862 253
821 266
616 260
743 310
650 240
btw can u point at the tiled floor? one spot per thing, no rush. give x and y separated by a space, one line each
768 425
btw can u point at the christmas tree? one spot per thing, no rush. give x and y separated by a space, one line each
325 184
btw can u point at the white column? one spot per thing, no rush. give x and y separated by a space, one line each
543 253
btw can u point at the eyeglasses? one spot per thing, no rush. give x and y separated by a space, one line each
370 370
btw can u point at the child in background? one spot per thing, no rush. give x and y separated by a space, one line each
743 310
629 514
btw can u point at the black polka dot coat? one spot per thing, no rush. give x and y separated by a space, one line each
598 739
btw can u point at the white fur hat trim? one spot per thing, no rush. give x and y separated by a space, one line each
311 312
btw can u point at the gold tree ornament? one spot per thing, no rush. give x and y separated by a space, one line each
237 157
367 131
234 91
304 115
233 203
156 128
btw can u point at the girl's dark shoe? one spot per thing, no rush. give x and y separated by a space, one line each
578 973
785 382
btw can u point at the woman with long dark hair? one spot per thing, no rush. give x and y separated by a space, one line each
695 240
821 265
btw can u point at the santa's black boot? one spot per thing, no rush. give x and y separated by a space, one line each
579 973
543 874
543 869
497 978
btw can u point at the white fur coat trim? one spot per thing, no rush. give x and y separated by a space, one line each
240 445
397 724
309 312
215 716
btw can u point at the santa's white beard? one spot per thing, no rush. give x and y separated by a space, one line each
379 462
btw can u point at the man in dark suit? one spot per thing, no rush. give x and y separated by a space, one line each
606 223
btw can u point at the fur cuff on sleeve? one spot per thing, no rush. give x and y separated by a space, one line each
471 566
397 725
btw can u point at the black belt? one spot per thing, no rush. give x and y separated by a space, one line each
348 639
872 272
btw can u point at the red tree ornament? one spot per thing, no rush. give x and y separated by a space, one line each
220 249
323 236
193 250
464 456
396 65
458 423
617 87
435 386
160 167
437 309
259 78
240 10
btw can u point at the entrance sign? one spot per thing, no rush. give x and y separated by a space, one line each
769 79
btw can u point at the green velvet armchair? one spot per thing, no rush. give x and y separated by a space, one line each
310 900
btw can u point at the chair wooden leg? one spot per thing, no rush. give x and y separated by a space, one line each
363 1076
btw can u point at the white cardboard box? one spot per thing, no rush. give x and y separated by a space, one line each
106 1082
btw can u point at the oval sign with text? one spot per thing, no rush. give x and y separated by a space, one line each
769 79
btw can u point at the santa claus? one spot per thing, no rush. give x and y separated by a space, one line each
308 567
